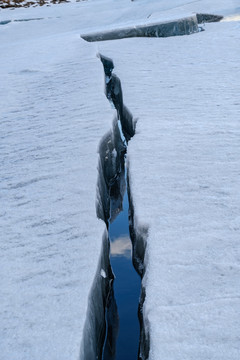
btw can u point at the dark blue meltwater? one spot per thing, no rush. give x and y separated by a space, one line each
123 329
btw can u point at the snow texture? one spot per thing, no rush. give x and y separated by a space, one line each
53 115
184 168
184 176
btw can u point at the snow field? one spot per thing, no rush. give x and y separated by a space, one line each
184 175
53 115
184 166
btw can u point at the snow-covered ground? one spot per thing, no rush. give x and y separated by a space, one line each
184 176
53 115
184 169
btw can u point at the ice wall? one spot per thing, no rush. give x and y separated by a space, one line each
184 26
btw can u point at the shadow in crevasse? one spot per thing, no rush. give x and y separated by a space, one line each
122 324
112 320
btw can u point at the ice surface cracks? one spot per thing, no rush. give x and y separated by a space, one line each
112 150
178 27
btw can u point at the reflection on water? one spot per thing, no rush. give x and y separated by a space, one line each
123 329
121 247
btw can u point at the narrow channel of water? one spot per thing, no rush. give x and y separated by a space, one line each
121 313
123 329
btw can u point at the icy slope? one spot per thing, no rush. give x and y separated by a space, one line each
184 177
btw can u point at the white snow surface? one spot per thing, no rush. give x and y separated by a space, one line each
184 168
53 115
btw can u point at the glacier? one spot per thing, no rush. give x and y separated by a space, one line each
183 166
